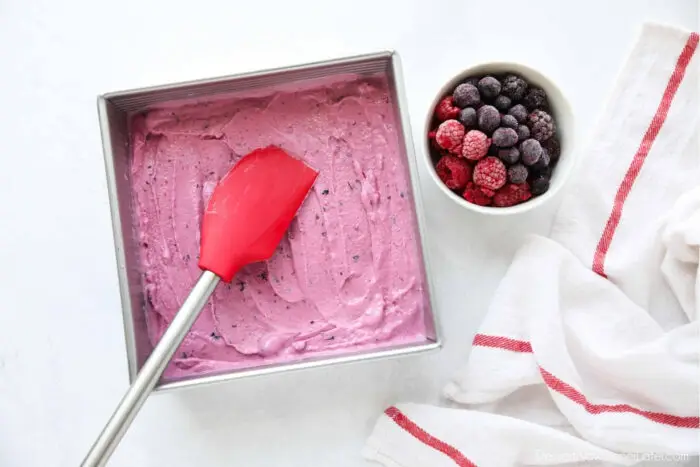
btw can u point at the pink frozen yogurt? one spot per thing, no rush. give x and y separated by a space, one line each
347 277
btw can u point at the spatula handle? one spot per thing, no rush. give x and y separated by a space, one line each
151 371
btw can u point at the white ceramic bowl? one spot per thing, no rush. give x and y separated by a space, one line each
561 111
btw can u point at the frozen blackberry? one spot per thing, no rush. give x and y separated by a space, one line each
539 185
553 147
509 156
465 95
519 112
505 137
517 173
543 162
546 172
489 87
541 125
467 117
535 98
523 132
509 121
488 117
474 81
514 87
502 103
530 151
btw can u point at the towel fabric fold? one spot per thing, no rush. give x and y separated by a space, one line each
589 354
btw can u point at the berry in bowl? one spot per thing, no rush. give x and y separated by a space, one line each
499 138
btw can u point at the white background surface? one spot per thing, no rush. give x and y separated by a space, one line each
62 361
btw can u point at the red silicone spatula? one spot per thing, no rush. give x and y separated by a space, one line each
245 219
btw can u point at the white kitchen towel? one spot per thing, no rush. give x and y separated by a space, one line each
589 354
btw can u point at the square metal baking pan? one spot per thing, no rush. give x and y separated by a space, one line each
115 112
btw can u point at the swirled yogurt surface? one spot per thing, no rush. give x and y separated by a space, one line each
347 277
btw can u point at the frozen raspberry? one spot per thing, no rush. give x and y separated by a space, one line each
509 156
502 103
553 147
517 174
446 109
504 137
530 151
519 112
535 98
436 152
540 185
475 145
489 118
474 195
431 138
509 121
489 87
487 191
454 172
541 125
467 117
512 194
490 173
523 132
449 135
465 95
514 87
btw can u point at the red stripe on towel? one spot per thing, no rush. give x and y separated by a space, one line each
568 391
429 440
639 158
500 342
